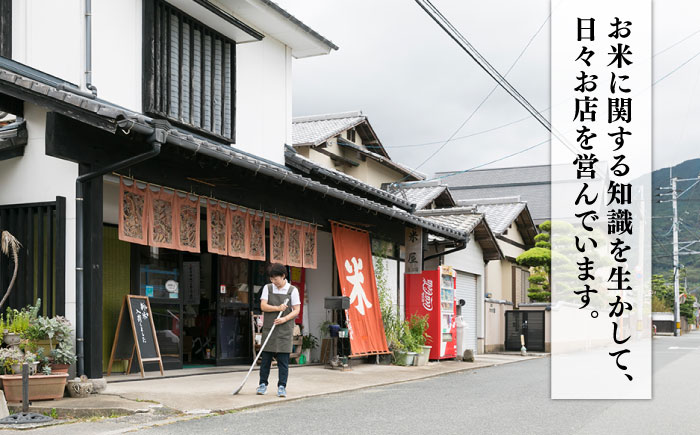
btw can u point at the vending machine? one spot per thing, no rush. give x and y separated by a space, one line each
432 292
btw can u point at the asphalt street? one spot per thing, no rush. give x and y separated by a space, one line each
512 398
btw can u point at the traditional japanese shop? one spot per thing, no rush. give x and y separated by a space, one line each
202 264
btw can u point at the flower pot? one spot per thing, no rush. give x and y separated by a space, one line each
79 388
307 354
16 368
423 357
410 357
59 368
33 368
400 357
12 339
41 387
41 344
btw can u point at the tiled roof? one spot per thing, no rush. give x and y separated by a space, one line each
498 215
531 183
27 83
460 218
421 196
314 130
301 163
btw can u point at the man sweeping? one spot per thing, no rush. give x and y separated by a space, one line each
280 345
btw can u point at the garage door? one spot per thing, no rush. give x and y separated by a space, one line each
466 289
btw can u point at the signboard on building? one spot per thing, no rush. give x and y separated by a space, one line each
414 250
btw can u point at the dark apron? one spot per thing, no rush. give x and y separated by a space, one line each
281 339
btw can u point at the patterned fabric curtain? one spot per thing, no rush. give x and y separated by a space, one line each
187 217
294 257
278 241
256 232
309 246
133 206
217 228
161 225
238 233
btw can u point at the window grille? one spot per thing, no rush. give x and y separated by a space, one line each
189 71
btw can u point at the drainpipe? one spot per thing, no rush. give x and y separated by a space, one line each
156 139
88 48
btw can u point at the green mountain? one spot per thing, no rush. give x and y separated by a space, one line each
688 215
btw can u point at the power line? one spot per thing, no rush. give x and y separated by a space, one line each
437 16
677 68
677 42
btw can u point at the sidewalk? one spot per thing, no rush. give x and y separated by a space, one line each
212 392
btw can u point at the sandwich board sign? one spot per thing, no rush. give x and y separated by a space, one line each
135 335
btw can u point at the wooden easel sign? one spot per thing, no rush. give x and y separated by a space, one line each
135 333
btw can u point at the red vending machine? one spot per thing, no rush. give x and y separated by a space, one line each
433 293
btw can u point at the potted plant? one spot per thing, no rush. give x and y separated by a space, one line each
41 387
46 333
417 328
308 343
10 360
62 357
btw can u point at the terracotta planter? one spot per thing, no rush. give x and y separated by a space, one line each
59 368
41 387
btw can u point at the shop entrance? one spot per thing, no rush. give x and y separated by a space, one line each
216 315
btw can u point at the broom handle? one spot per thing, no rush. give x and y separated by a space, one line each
262 348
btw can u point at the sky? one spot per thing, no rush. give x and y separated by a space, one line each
417 86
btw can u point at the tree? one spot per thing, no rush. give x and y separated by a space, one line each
9 246
539 260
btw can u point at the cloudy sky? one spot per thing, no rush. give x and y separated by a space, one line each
417 86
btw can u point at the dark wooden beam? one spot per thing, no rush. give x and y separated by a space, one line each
11 104
92 260
6 28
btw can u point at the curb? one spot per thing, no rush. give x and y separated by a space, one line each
349 390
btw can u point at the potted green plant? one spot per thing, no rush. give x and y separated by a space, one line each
62 357
308 343
10 360
417 328
46 333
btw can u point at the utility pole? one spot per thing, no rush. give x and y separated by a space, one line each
676 284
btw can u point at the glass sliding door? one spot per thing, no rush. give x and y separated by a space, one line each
234 332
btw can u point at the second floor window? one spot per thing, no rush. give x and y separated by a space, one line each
189 71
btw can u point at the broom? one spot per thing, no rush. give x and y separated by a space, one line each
259 352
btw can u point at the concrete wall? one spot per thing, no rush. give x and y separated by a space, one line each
319 284
495 325
36 177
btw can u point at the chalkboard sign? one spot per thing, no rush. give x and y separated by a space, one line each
135 334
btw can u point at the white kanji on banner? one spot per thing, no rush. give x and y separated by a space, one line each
357 279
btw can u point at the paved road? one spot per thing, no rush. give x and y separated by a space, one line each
513 398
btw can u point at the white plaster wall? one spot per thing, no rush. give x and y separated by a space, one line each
110 202
263 98
36 177
48 35
116 51
319 284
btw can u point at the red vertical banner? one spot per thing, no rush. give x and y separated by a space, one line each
309 246
161 222
238 233
278 240
133 222
256 231
217 228
294 251
187 226
353 255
